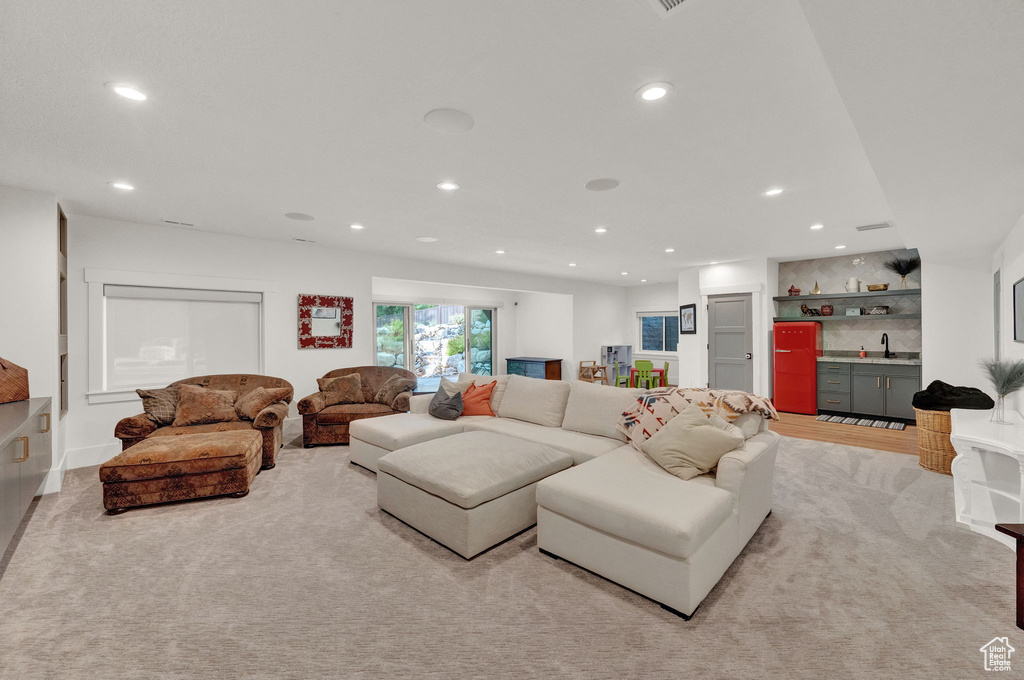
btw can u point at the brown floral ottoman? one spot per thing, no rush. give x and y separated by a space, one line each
166 469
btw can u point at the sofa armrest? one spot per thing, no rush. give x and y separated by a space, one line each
419 403
135 427
401 402
748 473
271 416
314 403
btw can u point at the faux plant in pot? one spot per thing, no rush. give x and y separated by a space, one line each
1007 377
904 266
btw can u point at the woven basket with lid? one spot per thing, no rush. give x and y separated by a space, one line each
936 452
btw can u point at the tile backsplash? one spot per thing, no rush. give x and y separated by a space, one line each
831 274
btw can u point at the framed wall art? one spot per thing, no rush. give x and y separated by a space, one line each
688 319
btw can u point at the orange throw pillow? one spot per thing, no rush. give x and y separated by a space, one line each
477 400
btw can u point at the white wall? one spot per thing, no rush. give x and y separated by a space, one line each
662 297
544 324
29 299
693 356
1009 261
290 269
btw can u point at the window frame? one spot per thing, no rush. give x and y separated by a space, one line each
96 279
639 330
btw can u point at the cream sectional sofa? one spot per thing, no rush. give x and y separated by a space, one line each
614 512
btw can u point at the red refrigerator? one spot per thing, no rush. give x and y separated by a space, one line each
797 348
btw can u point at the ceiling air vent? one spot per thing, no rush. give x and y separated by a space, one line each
178 223
665 7
303 240
872 227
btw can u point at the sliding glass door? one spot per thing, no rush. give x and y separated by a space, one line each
431 340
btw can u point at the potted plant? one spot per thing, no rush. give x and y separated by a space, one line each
903 266
1007 377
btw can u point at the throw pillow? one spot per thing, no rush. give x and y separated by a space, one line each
252 402
691 444
452 388
392 387
344 389
200 406
477 400
499 389
160 404
444 406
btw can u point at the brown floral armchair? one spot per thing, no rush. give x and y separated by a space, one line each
268 421
323 424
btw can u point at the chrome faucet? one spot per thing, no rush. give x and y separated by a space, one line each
885 341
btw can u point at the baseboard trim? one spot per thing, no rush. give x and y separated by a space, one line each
91 455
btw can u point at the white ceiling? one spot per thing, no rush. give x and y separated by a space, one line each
258 108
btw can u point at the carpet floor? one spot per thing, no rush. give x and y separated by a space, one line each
860 572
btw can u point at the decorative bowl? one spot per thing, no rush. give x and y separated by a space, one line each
878 286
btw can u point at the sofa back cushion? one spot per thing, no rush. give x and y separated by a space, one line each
252 402
596 409
499 390
535 400
372 377
202 406
343 389
239 383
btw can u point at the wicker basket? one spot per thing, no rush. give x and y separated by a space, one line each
934 448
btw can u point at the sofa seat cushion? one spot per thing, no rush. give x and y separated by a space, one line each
582 447
620 495
346 413
404 429
193 454
202 429
474 467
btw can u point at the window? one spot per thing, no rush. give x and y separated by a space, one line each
431 340
659 331
148 336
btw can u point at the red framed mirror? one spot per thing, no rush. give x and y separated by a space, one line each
325 321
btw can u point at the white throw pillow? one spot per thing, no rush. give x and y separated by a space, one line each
535 400
451 387
596 409
749 423
691 444
499 389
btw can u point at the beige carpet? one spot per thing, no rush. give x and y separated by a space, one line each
859 573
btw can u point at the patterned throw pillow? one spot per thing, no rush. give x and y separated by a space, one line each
344 389
392 387
444 406
160 404
252 402
201 406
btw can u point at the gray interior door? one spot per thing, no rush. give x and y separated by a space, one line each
731 342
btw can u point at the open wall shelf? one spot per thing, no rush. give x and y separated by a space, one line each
848 296
861 317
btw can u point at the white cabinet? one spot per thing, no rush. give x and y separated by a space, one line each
25 458
987 472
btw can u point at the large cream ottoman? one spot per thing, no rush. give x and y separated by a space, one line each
468 491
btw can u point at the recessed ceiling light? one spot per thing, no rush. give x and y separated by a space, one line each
357 227
451 121
643 280
670 250
603 184
840 247
715 262
773 192
426 239
600 230
447 186
127 91
653 91
301 217
499 252
572 264
625 273
123 186
816 227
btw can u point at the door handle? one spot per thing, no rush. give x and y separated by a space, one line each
749 355
787 351
879 385
887 385
833 401
24 449
47 429
833 382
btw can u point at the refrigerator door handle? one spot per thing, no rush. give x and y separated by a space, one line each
784 350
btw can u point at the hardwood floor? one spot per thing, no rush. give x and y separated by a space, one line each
806 427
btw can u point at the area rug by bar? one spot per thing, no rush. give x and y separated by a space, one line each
864 422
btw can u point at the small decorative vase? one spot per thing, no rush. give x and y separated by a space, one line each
903 282
999 412
816 291
827 310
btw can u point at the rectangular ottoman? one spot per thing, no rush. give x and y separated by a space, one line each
468 491
166 469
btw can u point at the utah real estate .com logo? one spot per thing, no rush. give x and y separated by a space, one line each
997 654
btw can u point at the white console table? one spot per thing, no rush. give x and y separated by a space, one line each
987 472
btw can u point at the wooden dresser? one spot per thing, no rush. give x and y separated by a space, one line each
25 458
535 367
